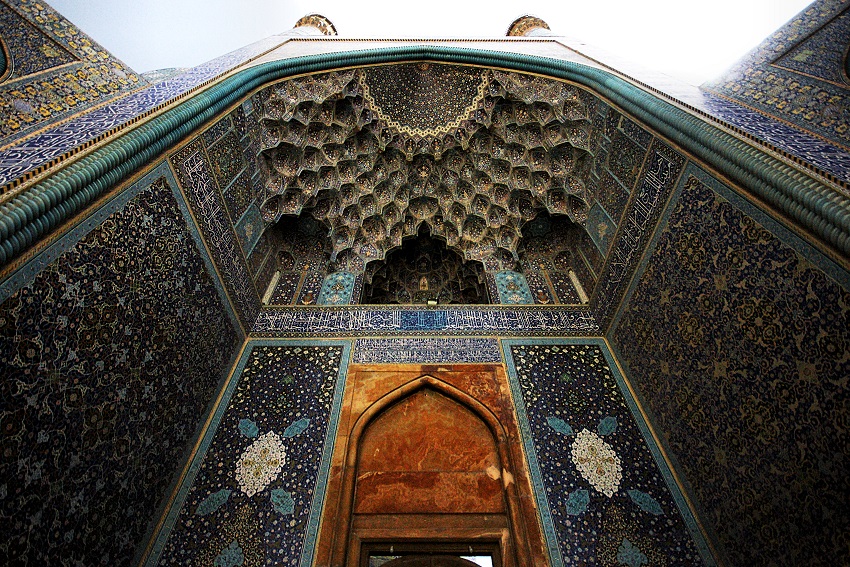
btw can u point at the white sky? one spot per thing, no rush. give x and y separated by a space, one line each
693 41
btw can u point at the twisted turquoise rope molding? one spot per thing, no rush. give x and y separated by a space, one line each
32 214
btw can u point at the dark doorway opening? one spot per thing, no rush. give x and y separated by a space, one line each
417 554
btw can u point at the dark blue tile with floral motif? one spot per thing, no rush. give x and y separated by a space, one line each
608 501
251 500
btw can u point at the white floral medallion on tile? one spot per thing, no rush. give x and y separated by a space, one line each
260 463
597 462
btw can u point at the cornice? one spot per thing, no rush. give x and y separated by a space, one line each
814 206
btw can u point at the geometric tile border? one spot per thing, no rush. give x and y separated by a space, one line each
426 351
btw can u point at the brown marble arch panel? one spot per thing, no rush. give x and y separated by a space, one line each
429 454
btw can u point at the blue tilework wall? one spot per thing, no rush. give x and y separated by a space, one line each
255 490
112 343
621 146
231 147
619 161
56 70
601 494
797 75
823 53
31 151
654 185
30 50
737 336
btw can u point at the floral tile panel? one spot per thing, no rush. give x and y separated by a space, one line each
112 343
737 335
255 499
603 499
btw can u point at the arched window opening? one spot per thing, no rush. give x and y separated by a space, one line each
553 256
425 270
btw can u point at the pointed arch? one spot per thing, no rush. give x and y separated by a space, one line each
405 391
512 536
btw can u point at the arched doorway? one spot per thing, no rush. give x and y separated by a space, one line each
428 472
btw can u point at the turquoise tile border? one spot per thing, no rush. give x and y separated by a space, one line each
308 551
555 557
557 560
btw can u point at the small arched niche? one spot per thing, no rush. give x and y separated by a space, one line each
295 259
425 269
552 254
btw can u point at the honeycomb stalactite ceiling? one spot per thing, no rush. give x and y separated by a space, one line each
424 101
473 155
